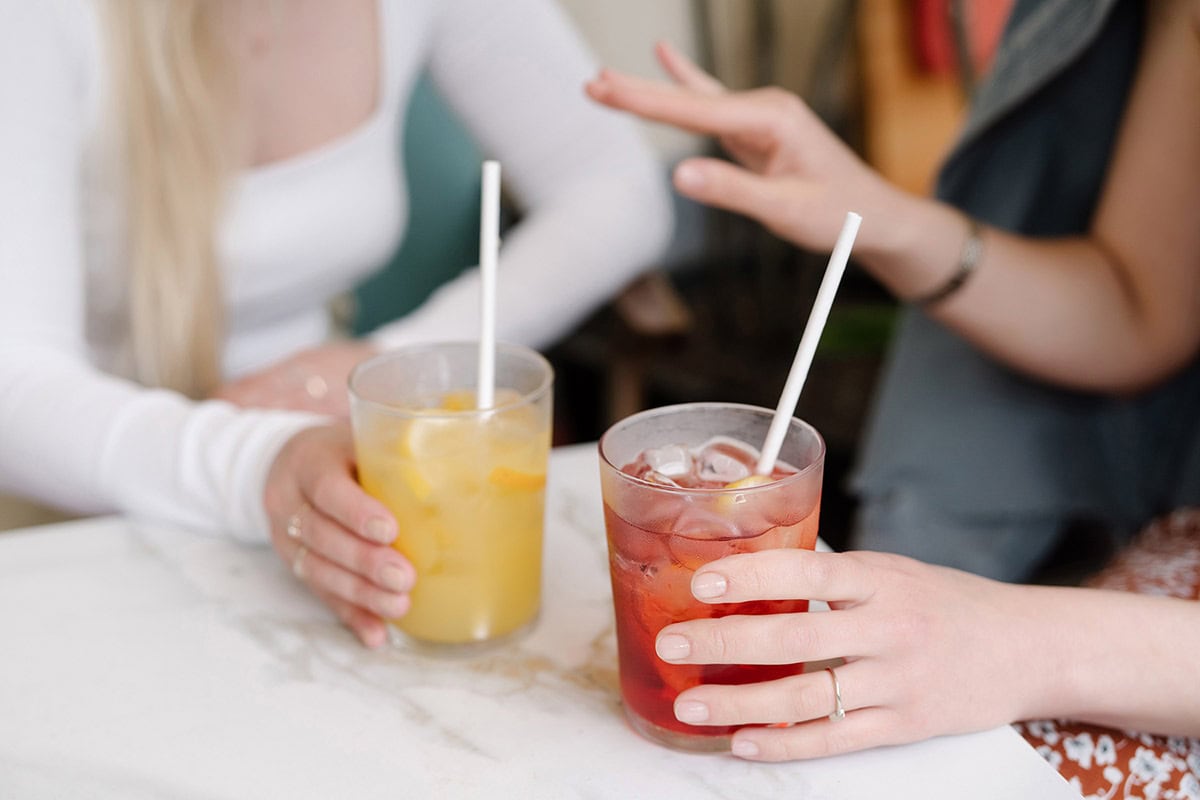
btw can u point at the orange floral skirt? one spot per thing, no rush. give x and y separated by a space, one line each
1107 764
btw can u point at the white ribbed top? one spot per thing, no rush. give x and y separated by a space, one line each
74 432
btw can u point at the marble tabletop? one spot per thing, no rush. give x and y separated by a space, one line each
138 661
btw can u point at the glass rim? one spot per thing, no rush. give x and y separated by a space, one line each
818 460
522 352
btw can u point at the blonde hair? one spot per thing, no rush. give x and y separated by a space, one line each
175 101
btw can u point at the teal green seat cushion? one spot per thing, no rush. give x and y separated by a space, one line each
441 161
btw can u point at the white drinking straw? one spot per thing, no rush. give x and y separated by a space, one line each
808 344
489 246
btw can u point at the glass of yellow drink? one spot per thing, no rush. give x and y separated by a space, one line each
466 485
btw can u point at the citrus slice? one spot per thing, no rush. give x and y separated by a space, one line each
436 437
458 401
728 503
517 481
750 480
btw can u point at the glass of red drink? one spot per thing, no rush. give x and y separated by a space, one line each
679 491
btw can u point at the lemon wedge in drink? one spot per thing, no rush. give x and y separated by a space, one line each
427 437
516 480
750 480
462 400
432 433
727 502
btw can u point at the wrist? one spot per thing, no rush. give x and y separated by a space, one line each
1112 658
915 244
1044 652
968 259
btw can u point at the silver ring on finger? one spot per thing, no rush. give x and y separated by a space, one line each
295 520
839 711
298 562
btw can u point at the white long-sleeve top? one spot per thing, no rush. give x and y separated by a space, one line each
77 433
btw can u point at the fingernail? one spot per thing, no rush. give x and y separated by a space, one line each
689 177
708 585
691 711
393 607
672 647
744 748
380 530
598 86
374 638
395 578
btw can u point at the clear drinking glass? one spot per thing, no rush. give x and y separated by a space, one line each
660 533
466 485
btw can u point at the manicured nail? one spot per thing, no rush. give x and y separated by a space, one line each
708 585
380 530
691 711
689 177
744 748
395 578
373 638
672 647
393 606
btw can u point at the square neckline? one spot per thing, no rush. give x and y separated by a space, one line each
346 141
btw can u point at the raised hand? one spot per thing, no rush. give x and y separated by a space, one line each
333 535
796 176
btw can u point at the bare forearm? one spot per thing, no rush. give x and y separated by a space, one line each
1063 310
1112 310
1111 658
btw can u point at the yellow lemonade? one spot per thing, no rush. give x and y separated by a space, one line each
467 488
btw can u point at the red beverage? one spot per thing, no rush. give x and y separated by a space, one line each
671 508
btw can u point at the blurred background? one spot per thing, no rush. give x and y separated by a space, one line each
719 318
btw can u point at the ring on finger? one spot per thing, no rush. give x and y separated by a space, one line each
298 560
294 521
839 711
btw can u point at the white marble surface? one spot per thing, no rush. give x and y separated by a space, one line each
138 661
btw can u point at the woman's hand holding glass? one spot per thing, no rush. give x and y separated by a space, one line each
333 535
927 651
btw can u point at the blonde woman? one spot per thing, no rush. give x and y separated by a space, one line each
186 184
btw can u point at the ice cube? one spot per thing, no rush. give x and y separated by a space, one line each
657 477
702 524
671 460
655 514
723 460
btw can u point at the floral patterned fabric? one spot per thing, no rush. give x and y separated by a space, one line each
1107 764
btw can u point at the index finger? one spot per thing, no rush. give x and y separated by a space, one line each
784 575
708 113
685 71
